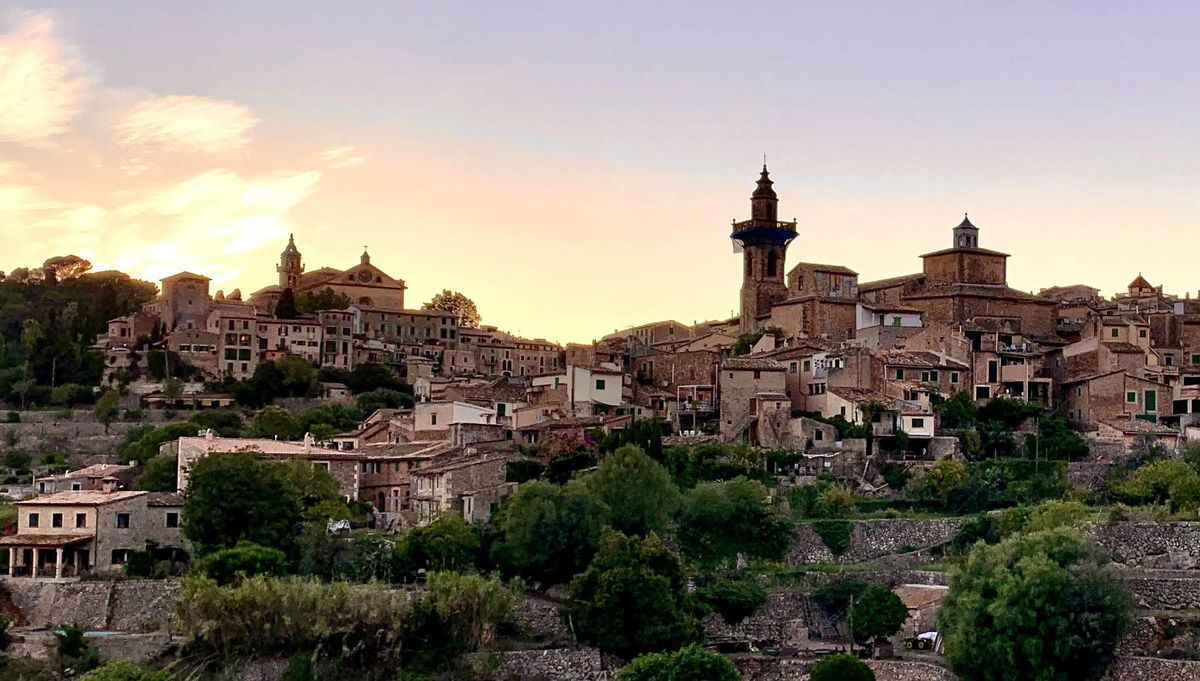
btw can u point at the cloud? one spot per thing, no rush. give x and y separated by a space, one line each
176 123
209 222
43 83
343 157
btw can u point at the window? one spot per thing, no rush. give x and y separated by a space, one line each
120 556
172 519
807 365
1170 360
899 374
918 423
76 486
56 520
1196 358
80 520
433 419
34 519
819 435
122 520
1131 397
925 376
323 465
1079 391
500 409
1116 333
983 392
600 384
843 412
793 367
954 378
1142 333
1151 400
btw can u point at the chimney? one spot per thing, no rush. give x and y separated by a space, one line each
110 484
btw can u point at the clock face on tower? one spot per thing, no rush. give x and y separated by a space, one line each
364 276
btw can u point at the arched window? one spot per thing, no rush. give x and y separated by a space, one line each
771 258
365 301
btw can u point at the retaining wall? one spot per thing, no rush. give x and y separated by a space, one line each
872 539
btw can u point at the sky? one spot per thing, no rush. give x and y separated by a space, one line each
574 167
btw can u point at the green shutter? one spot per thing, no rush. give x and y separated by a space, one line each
1151 402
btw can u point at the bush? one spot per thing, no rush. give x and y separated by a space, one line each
359 625
720 520
1034 606
841 668
692 663
14 417
74 652
633 598
836 534
733 599
244 560
836 596
895 475
877 614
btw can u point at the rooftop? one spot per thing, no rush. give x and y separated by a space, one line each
81 498
751 364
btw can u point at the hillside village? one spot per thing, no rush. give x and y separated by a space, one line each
837 442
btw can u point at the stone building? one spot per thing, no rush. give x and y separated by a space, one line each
965 283
87 479
470 486
763 240
70 533
750 389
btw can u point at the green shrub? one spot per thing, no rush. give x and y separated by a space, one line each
836 534
74 652
692 663
14 417
877 614
139 564
733 599
841 668
247 559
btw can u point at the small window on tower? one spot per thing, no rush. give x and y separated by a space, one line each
771 258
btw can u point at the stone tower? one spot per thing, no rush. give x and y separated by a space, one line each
763 241
290 268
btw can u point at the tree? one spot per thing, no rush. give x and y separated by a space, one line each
159 475
236 497
719 520
637 490
462 306
172 388
285 307
142 444
246 559
692 663
957 411
383 398
107 408
447 543
733 599
841 668
1035 606
1164 481
877 614
633 598
63 267
549 533
298 376
277 423
309 302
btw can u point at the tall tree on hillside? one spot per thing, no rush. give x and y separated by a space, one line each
286 307
63 267
453 301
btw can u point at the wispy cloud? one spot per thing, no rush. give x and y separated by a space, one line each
185 123
43 82
343 157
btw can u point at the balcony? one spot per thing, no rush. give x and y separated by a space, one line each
697 407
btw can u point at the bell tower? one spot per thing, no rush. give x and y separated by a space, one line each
290 267
763 242
966 235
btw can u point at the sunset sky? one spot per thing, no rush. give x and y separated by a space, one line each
574 167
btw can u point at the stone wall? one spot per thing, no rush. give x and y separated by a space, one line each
780 619
1168 545
872 539
1164 593
142 606
40 432
1153 669
559 664
1089 475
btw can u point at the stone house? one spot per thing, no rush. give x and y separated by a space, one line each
67 534
743 380
87 479
655 332
1131 431
1113 395
467 485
